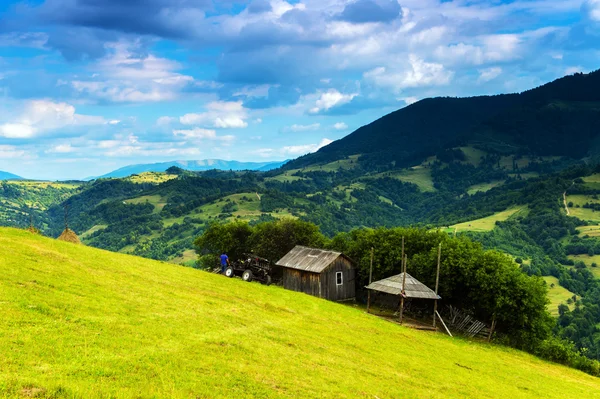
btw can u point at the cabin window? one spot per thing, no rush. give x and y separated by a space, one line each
338 278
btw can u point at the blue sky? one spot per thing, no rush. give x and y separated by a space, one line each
88 86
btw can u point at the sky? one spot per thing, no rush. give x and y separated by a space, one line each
88 86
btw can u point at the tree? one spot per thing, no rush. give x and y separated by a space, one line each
231 238
272 240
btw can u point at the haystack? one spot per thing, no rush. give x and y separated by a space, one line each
69 236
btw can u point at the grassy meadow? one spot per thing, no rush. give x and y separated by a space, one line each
419 175
583 213
557 294
487 223
78 322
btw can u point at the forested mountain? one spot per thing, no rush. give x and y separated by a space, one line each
559 118
205 164
8 176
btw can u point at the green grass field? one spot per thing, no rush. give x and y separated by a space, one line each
35 184
583 213
78 322
557 294
247 204
419 175
487 223
483 187
592 231
473 155
150 177
156 200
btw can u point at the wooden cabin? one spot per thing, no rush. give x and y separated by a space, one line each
324 274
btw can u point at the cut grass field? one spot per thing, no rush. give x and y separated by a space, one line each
592 231
557 294
78 322
483 187
156 200
583 213
487 223
419 175
247 204
150 177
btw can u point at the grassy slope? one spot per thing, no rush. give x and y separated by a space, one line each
487 223
556 294
81 322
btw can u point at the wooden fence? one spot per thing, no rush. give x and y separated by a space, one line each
465 324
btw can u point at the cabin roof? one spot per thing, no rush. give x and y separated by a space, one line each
309 259
413 288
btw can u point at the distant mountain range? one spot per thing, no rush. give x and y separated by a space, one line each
8 176
204 164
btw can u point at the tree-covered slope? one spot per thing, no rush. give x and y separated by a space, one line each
81 322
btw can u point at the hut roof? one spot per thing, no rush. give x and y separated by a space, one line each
309 259
413 288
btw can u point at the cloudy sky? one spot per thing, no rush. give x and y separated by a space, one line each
88 86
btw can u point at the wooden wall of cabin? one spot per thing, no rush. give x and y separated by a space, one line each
301 281
329 287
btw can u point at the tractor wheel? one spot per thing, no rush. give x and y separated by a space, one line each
247 275
268 280
229 272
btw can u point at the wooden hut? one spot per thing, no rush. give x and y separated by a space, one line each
404 286
324 274
413 288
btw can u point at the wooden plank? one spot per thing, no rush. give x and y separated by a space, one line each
444 324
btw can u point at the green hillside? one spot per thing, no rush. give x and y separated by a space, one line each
79 322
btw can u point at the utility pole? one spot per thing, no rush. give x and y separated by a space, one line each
437 282
403 286
66 217
370 278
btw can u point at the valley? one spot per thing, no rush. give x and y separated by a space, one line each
502 190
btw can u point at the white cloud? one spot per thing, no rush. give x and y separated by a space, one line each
38 116
16 131
130 146
61 149
409 100
340 126
417 74
126 75
575 69
219 114
302 128
202 134
305 149
485 75
292 150
11 152
331 98
165 120
591 10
